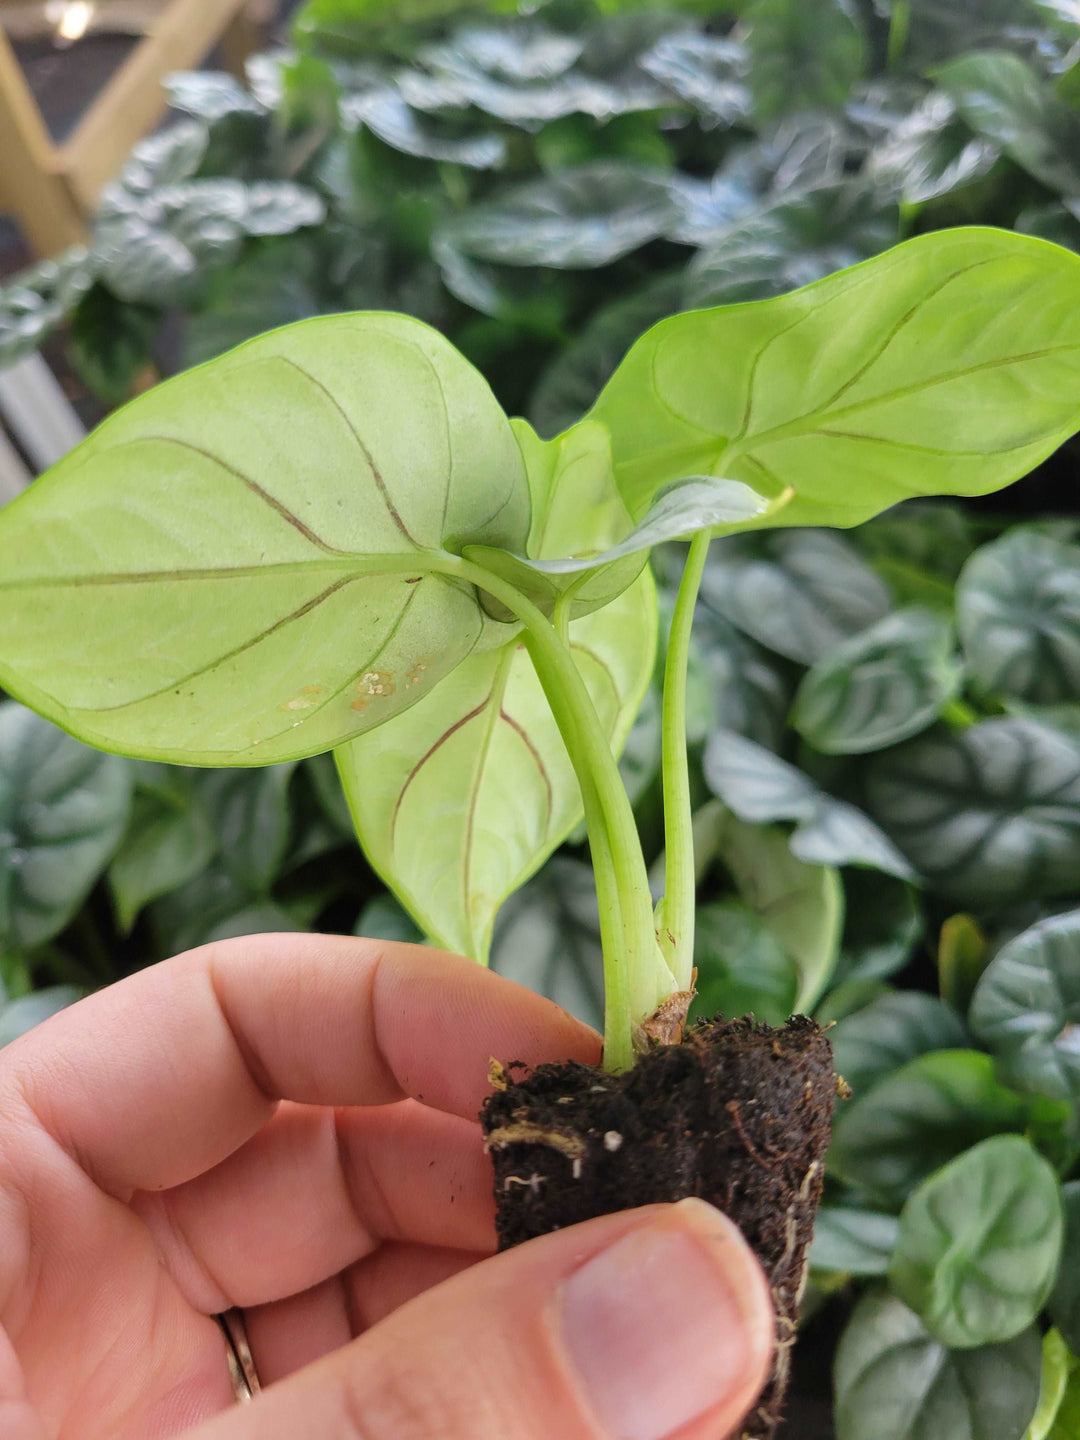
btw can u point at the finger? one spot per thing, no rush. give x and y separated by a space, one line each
316 1190
292 1333
161 1076
640 1326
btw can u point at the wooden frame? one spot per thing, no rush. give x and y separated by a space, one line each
53 189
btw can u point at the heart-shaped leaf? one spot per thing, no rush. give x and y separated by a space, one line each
966 339
883 686
989 814
463 797
799 594
918 1118
883 926
244 564
708 71
752 688
63 809
386 115
886 1034
250 814
1018 610
1026 1008
894 1381
979 1244
853 1242
760 788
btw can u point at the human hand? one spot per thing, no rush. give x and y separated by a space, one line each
288 1124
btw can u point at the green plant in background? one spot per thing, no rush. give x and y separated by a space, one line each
339 542
543 187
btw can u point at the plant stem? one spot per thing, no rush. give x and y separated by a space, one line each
636 978
676 931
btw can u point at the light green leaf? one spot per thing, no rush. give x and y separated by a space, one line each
880 687
853 1242
1026 1008
741 967
894 1381
63 809
799 594
804 55
886 1034
761 788
979 1244
962 956
463 797
1065 1301
1018 610
801 904
1002 98
167 843
987 815
243 565
916 1119
966 339
1058 1365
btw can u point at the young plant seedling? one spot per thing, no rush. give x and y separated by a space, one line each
332 538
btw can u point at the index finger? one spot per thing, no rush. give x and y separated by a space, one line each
161 1076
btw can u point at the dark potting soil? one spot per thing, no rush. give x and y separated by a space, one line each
738 1114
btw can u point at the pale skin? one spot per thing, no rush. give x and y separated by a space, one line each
288 1124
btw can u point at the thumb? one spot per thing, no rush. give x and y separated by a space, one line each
635 1326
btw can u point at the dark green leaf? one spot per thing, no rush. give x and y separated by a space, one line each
249 812
803 54
272 283
708 71
884 924
63 809
886 1034
881 686
384 919
760 787
752 688
35 301
930 153
1018 609
853 1242
260 917
979 1244
988 815
916 1119
895 1382
741 967
167 844
324 779
386 115
547 938
1065 1300
19 1016
790 243
111 343
211 95
918 548
1026 1008
797 592
1004 99
579 371
579 219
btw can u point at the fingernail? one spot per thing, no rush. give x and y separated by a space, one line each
671 1321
